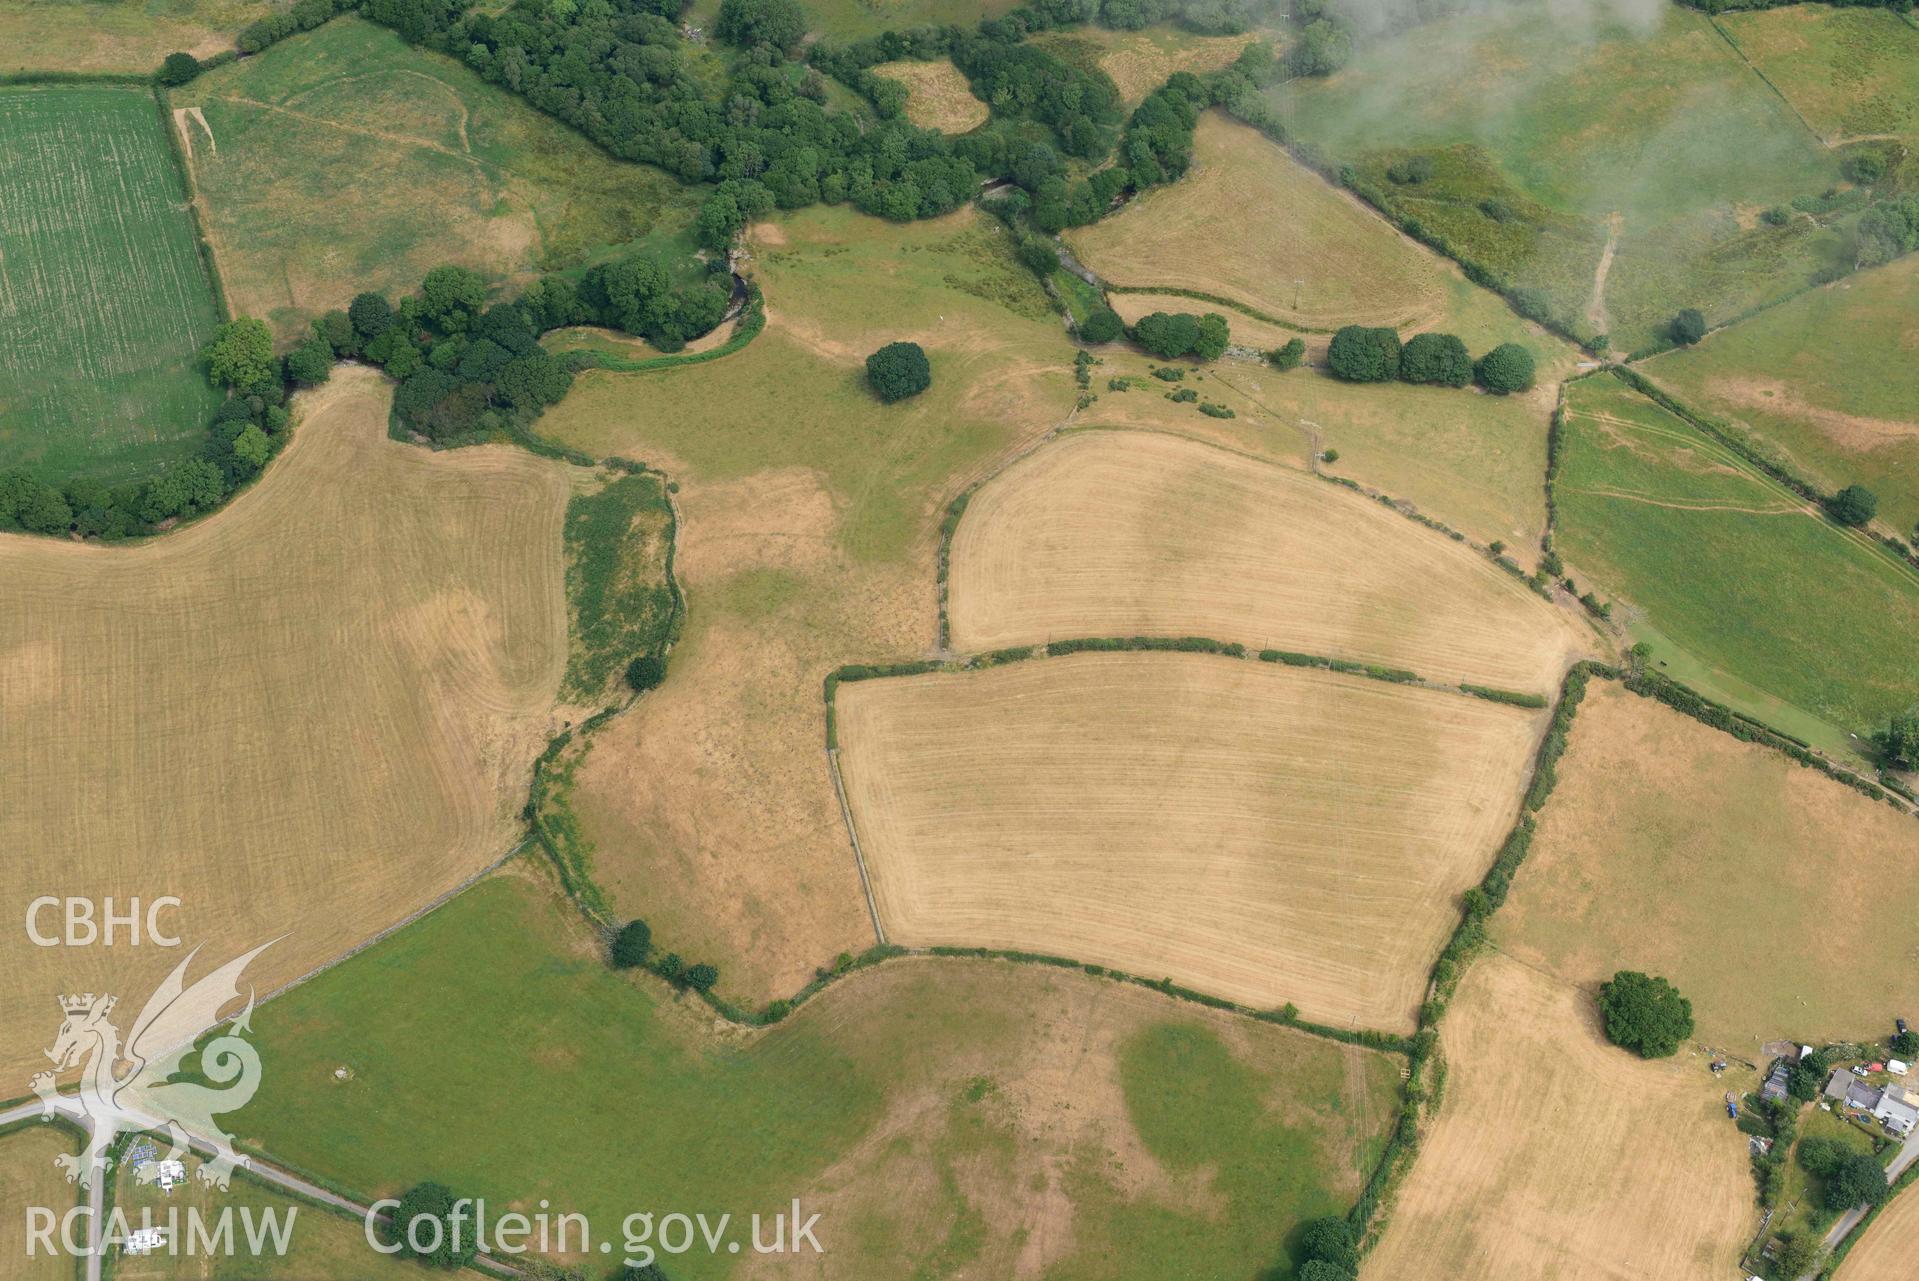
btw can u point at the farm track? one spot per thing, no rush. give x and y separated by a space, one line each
398 139
1690 436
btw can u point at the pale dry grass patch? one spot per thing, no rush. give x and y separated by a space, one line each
1253 831
938 96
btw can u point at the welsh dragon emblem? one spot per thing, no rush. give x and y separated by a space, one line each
128 1086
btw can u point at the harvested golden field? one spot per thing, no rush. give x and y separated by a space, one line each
1558 1155
401 623
1672 848
938 95
1115 533
1249 223
1891 1242
809 520
29 1179
1255 831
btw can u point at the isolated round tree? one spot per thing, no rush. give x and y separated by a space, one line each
1505 369
632 945
898 370
1688 327
1289 356
1854 505
1644 1014
179 68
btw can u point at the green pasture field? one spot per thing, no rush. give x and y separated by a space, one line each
1826 384
345 159
1850 72
1665 127
517 1066
125 37
104 297
617 543
1734 569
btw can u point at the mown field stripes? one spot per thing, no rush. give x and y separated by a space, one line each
104 299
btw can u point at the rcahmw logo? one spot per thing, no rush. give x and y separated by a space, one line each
53 921
145 1096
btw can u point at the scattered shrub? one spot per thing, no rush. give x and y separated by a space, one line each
1289 356
1410 171
1863 167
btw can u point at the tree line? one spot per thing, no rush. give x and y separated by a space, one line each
464 369
1368 354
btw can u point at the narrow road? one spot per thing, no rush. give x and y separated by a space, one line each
69 1107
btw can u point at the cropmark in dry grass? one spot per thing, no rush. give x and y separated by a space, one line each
809 525
347 160
306 715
